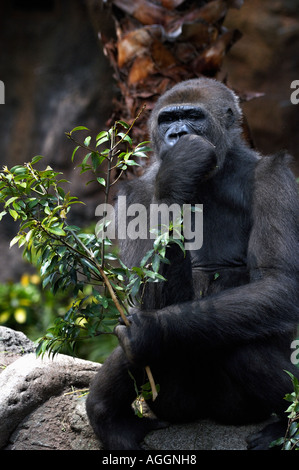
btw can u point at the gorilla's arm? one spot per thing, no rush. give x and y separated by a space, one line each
266 306
181 171
168 182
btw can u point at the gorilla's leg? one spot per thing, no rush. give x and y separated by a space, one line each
109 405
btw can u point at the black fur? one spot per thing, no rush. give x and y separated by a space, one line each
216 345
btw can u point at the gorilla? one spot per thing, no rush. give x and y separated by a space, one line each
217 333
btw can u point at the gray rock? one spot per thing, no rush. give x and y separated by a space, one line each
201 435
14 342
30 381
58 424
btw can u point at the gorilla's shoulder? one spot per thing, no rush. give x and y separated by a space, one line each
273 163
274 175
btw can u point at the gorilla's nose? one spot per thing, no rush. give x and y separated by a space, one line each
174 133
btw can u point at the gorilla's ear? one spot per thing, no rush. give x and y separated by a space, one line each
229 118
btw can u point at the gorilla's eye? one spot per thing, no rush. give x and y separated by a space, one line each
181 113
166 117
195 114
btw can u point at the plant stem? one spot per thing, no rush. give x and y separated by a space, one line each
107 187
118 306
85 147
152 382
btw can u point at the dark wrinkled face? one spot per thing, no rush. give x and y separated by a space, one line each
201 107
176 121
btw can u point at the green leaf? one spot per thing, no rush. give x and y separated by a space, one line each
29 234
156 263
32 203
15 240
132 163
48 280
293 428
36 159
139 155
125 138
135 286
102 134
288 445
19 170
124 124
75 150
96 160
87 141
11 200
277 442
56 231
104 138
79 128
90 265
14 214
154 276
2 214
101 181
146 258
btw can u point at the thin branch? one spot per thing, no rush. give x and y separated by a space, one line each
129 129
86 147
116 179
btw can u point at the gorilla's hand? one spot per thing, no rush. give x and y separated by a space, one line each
142 340
183 166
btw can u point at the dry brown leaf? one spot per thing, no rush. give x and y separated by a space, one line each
210 13
141 68
213 11
162 57
199 34
133 44
185 52
172 4
210 61
144 11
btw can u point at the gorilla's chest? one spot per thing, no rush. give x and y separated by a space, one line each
225 237
221 261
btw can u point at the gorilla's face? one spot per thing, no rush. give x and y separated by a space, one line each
176 121
201 107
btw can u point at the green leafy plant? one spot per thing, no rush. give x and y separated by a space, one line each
66 256
290 441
